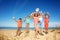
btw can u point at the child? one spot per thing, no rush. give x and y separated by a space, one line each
46 22
40 20
27 20
35 17
19 24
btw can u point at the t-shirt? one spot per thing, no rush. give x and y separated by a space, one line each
36 20
46 20
19 22
28 20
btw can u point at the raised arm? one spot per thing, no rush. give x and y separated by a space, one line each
14 19
48 14
43 15
24 19
32 15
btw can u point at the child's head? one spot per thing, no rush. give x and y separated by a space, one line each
36 14
28 16
41 14
47 14
20 18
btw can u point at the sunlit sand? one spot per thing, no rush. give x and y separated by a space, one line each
10 35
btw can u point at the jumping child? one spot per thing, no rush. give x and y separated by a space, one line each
37 30
46 22
19 24
40 20
27 20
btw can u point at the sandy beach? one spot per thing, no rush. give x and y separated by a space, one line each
10 35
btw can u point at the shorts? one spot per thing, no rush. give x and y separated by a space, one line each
18 29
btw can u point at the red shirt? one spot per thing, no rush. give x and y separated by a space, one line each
46 20
19 23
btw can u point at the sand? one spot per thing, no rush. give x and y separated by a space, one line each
10 35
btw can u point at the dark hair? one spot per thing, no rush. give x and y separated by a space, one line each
20 18
45 14
35 14
48 15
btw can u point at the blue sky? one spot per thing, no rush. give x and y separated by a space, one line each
22 8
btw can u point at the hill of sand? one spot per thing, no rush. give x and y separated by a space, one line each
10 35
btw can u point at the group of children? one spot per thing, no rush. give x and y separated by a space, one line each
37 17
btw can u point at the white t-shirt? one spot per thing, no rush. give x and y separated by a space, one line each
40 19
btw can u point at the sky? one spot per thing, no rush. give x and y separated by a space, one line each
23 8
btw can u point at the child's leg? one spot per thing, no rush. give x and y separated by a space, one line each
27 27
17 31
36 32
46 27
40 26
40 32
39 29
20 31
